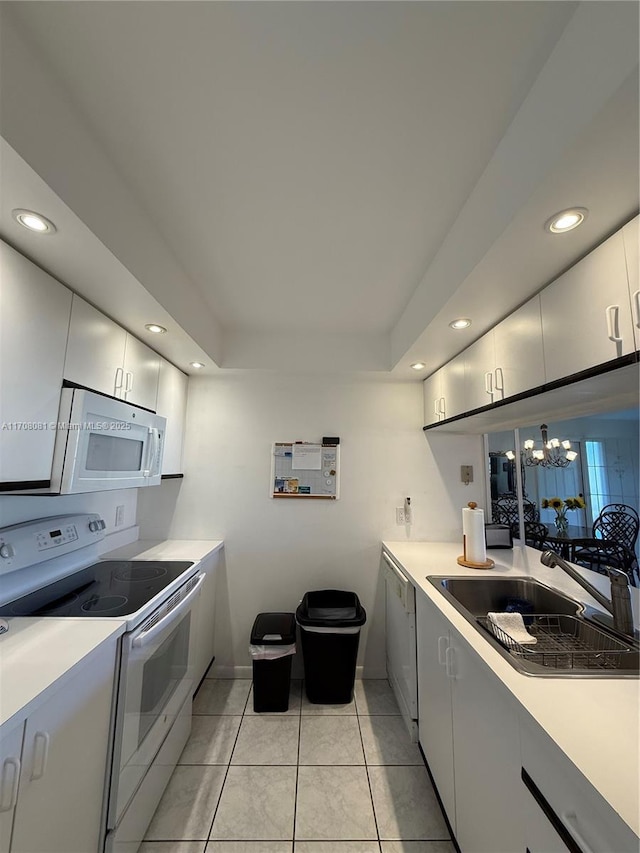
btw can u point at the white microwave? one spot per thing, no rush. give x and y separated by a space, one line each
102 443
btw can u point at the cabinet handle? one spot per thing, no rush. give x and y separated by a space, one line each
436 408
129 386
442 650
118 383
613 332
499 385
42 737
14 763
570 820
636 306
449 661
443 408
488 382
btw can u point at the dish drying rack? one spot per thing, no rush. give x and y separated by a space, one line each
563 642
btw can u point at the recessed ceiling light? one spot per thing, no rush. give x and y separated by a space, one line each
155 328
419 365
460 323
33 221
197 364
566 220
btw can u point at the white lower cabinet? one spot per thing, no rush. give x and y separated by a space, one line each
435 721
204 617
563 811
10 763
59 807
468 730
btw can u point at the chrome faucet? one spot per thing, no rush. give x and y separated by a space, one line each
619 606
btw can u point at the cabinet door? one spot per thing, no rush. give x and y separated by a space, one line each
480 362
64 764
95 353
585 313
518 351
10 763
34 323
172 405
205 620
487 760
141 369
432 398
577 807
631 238
453 387
435 730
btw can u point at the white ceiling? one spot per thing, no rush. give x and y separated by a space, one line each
303 176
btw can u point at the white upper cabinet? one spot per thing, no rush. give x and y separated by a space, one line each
141 372
444 392
453 399
432 398
172 404
480 361
519 358
34 322
585 313
102 356
631 237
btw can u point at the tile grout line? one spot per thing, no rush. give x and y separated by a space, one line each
295 796
366 767
224 781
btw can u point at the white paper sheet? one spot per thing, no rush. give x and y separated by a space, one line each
307 457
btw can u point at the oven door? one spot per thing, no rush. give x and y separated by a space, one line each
105 444
155 679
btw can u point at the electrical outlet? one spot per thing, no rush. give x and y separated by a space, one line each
119 515
399 515
466 474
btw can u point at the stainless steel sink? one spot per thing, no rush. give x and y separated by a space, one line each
569 643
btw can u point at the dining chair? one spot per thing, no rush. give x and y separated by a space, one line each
617 522
535 534
598 554
504 510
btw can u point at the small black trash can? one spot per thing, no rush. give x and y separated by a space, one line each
330 622
273 643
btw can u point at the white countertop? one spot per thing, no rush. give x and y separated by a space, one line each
38 654
167 549
595 722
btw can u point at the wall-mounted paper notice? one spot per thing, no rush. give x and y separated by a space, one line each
307 457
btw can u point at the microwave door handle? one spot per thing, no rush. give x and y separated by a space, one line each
145 637
152 437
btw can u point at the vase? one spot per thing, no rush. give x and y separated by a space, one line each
562 524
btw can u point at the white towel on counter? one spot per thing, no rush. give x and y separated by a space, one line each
513 625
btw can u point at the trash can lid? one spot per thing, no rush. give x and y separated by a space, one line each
274 629
331 608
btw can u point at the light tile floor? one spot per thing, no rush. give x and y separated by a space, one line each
316 779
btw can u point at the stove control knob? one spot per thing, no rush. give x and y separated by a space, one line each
6 551
94 526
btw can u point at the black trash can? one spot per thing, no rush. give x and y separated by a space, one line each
330 622
273 643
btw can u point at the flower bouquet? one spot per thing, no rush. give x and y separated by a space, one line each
561 506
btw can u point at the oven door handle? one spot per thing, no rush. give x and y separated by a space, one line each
145 637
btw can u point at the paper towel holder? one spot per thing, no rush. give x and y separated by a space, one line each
462 560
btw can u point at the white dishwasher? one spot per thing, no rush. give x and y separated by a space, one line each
400 618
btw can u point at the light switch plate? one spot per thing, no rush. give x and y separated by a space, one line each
466 474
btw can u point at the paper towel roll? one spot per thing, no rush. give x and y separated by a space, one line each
475 550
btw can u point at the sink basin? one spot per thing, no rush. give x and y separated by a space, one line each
569 645
479 596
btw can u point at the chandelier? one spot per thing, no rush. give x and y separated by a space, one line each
553 453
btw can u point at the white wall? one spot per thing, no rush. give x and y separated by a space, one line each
276 550
16 508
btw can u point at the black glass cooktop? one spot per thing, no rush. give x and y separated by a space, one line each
108 588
